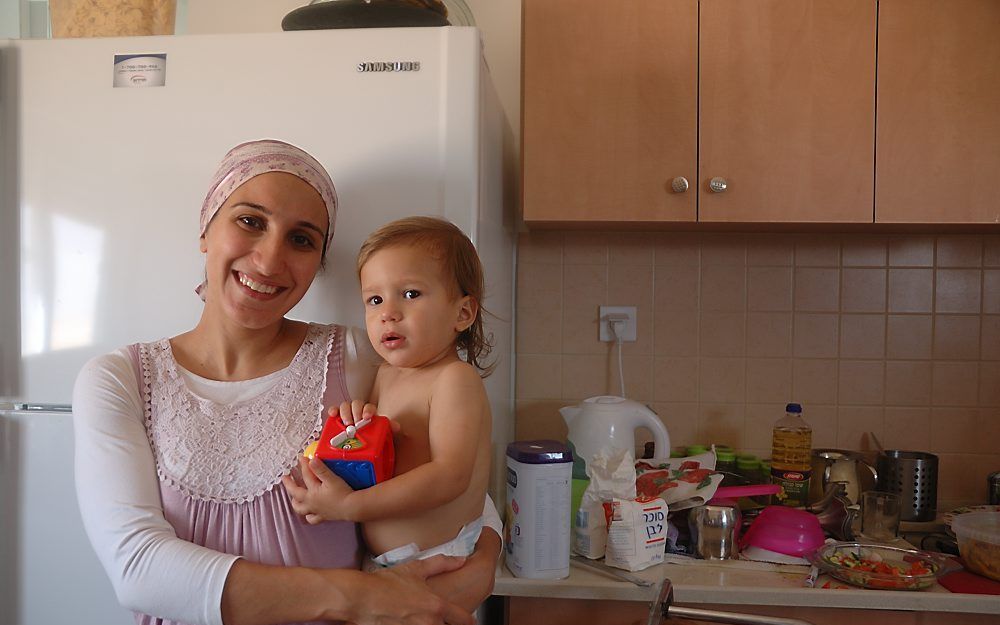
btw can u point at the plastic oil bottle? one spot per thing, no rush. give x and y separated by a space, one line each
791 450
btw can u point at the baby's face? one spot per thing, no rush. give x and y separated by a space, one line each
412 312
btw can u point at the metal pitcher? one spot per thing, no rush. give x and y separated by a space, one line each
840 465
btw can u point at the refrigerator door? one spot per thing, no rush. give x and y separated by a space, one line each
50 572
110 180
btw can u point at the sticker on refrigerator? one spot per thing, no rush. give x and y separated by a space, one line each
140 70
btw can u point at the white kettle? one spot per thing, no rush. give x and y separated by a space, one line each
607 420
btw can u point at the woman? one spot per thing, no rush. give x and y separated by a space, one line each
181 443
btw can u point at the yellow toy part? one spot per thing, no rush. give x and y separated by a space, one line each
311 450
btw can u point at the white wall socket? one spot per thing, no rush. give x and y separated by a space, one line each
628 327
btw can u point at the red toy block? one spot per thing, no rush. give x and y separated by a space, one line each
362 457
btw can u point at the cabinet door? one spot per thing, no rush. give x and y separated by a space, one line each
938 147
609 110
787 108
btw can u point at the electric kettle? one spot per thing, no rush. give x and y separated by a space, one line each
609 421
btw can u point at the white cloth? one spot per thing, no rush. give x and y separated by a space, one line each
151 570
463 544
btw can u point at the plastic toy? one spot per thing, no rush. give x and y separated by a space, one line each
361 454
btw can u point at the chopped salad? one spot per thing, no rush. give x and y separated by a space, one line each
867 568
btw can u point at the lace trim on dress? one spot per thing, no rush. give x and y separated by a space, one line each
233 453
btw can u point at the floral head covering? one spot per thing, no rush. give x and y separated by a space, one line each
254 158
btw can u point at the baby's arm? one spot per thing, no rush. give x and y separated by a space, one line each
457 416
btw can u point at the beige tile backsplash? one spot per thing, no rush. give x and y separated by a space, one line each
897 335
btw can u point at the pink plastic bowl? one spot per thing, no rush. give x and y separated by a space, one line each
785 530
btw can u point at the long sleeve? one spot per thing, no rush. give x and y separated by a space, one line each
152 570
361 363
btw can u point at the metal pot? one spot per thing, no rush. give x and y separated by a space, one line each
840 465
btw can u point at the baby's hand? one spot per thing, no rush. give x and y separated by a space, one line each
352 412
322 495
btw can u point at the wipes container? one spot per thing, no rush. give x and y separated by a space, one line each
537 529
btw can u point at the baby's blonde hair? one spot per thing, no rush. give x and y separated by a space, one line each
458 257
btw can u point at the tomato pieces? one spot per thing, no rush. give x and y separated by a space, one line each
874 572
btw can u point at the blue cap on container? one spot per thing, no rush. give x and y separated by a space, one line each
793 408
539 452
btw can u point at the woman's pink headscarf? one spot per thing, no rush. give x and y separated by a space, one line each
254 158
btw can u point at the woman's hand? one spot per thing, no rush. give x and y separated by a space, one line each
473 583
322 495
400 594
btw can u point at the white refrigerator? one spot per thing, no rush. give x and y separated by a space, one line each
106 150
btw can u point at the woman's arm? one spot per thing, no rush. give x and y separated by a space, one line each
151 570
361 363
156 573
470 585
396 595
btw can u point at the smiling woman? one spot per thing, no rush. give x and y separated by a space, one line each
263 248
181 443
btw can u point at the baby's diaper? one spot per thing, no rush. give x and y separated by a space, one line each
462 545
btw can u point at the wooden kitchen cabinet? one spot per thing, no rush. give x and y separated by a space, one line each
612 110
609 110
938 142
787 110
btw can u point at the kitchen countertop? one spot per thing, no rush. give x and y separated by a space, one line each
739 582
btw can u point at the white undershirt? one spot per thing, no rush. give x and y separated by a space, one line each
152 570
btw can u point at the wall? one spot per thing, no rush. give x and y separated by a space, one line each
896 335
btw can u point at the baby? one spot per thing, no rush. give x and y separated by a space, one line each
422 284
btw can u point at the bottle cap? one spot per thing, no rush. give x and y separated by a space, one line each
795 408
539 452
747 462
694 450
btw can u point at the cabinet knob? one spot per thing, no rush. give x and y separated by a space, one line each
717 184
679 184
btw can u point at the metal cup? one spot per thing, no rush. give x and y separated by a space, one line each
714 531
993 488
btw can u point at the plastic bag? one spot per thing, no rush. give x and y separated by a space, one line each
681 482
612 475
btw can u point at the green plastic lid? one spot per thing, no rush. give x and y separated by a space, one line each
724 455
747 461
694 450
678 453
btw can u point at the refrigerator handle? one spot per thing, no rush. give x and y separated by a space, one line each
44 407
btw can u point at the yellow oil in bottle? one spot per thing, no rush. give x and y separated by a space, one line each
791 452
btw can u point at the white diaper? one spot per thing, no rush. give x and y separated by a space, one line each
462 545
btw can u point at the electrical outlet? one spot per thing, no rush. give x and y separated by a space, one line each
610 313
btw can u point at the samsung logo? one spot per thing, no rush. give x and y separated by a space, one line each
389 66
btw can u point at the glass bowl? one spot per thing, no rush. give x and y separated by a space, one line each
882 567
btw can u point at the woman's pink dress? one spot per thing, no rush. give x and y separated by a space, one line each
220 465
